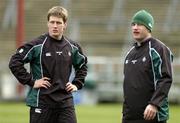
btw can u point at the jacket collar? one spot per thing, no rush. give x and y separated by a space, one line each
140 44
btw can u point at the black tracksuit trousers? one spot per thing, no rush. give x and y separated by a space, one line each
52 115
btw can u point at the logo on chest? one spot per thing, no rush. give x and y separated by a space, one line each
144 59
134 61
59 52
48 54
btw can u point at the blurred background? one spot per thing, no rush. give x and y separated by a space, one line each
102 28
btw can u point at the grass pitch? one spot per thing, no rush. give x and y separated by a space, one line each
102 113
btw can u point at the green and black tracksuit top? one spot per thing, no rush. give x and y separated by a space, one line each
54 59
147 79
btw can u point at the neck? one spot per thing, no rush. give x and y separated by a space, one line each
144 39
149 36
57 37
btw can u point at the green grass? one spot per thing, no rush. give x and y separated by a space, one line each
13 113
99 113
103 113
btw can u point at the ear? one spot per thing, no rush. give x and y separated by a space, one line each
65 26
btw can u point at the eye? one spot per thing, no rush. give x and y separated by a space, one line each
52 22
133 24
59 23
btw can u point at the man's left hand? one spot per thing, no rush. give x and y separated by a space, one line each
71 87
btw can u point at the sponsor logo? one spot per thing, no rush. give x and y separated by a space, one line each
21 50
48 54
69 53
59 52
134 61
38 110
126 62
143 59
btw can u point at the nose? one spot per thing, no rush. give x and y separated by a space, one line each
55 24
135 25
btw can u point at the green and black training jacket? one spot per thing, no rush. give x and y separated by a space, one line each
147 79
54 59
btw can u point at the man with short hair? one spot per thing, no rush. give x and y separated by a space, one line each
147 74
52 56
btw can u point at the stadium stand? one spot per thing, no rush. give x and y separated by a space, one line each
98 25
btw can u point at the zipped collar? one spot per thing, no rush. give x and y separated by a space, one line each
140 44
53 39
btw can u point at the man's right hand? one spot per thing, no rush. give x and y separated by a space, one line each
42 83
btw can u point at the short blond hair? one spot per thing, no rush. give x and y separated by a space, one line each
58 11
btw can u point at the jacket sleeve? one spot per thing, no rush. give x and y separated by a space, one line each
163 76
23 55
80 65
